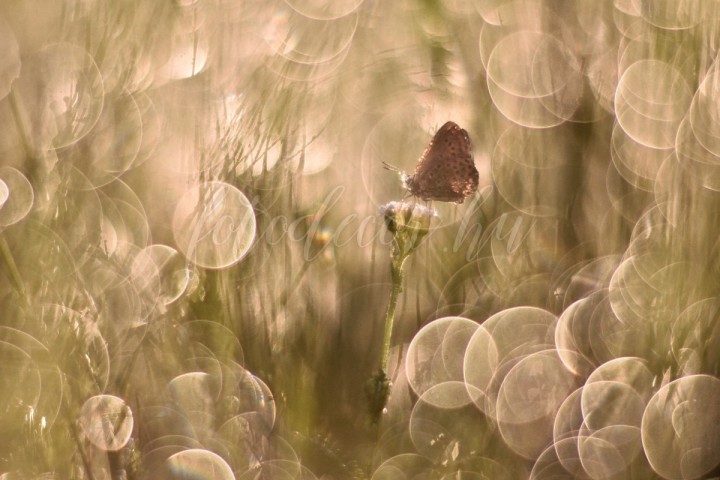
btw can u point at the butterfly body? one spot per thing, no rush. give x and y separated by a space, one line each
446 171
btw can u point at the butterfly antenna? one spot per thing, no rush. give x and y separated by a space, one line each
392 168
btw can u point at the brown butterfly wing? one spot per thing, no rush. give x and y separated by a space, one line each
446 170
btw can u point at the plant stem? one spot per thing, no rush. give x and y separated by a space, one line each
408 224
377 388
397 279
12 270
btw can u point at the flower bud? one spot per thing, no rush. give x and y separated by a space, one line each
408 223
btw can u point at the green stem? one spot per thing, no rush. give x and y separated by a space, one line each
285 295
397 279
12 270
377 388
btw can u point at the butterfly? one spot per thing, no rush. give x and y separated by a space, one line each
446 171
